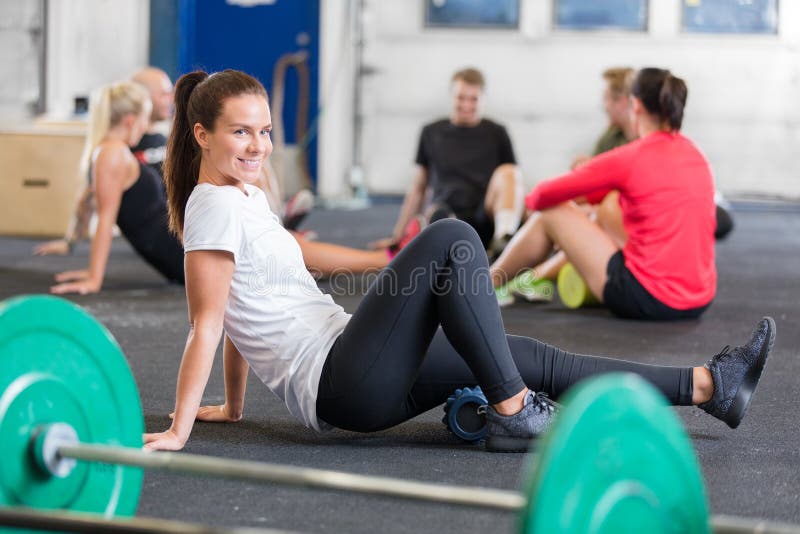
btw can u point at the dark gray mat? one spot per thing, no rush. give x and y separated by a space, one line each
752 471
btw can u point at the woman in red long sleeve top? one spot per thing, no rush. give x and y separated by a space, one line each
666 269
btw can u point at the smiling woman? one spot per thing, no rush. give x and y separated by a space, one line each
223 125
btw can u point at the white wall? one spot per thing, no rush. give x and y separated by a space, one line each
335 98
90 43
20 24
545 85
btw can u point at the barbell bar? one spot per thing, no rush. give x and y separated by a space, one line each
57 450
260 472
56 520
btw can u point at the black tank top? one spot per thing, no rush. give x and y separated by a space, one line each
142 219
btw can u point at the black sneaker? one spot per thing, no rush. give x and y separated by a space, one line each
514 433
736 372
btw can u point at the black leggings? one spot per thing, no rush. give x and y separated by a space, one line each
392 362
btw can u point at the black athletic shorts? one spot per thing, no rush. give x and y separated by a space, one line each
626 297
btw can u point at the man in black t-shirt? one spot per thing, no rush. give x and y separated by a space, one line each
466 164
153 146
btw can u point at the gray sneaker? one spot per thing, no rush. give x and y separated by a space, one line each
736 372
514 433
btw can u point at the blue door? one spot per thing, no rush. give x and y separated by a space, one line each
233 34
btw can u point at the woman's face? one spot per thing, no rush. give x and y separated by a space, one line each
234 152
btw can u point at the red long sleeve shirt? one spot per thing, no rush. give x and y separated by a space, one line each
667 201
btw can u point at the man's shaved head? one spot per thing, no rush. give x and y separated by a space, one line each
159 86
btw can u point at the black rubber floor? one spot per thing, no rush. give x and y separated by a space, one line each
752 471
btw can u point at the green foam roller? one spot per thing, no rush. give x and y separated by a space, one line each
572 289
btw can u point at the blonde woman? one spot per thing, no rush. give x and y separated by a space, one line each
127 193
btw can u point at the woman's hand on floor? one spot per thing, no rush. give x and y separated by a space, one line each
59 247
163 441
74 282
220 413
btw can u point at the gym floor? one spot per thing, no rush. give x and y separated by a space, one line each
752 471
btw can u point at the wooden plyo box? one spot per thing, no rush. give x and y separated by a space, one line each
39 181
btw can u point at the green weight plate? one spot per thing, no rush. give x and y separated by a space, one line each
58 364
616 460
572 289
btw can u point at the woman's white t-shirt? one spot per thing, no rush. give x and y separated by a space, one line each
277 317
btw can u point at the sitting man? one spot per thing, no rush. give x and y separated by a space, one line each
616 104
466 166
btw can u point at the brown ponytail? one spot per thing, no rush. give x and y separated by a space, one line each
199 98
182 162
662 94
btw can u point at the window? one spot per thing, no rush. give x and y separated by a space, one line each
601 14
472 13
730 16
